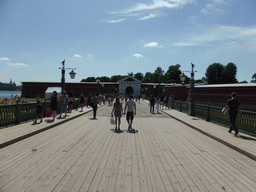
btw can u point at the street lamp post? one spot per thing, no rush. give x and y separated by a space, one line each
63 69
182 78
191 90
192 83
98 82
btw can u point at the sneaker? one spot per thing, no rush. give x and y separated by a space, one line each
236 134
229 131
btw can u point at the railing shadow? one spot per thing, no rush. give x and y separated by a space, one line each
246 138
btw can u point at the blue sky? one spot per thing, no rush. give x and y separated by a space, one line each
105 38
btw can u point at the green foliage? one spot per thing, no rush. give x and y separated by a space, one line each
130 74
173 73
116 78
220 74
229 73
104 79
148 78
89 79
253 78
139 76
158 75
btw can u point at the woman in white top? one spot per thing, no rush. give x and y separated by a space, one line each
157 104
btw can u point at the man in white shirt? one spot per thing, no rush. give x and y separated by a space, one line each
131 111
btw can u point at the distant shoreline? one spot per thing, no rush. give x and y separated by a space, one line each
8 94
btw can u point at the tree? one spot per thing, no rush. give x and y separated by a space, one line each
173 73
130 74
139 76
104 79
253 78
89 79
147 78
229 73
158 75
116 78
217 73
214 73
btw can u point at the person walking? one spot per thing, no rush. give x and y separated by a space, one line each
152 104
39 112
54 104
70 103
233 105
89 97
130 105
94 101
117 110
166 101
157 104
82 101
170 102
63 103
162 102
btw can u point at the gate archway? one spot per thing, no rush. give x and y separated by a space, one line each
129 90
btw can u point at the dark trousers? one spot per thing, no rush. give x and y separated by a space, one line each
152 108
94 111
232 120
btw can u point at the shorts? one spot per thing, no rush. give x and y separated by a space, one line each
39 115
129 115
63 108
117 114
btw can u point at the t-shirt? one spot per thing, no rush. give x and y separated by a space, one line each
130 105
152 101
63 99
233 106
94 101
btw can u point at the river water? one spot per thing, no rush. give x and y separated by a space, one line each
8 94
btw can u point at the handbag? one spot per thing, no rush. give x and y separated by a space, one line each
112 121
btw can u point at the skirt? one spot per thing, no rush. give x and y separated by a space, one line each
118 114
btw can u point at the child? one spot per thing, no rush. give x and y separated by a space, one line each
39 112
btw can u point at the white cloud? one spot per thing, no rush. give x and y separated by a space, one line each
150 16
90 55
220 35
76 55
152 44
137 55
4 59
114 21
215 6
17 65
156 4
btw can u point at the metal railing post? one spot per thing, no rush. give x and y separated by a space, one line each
17 114
208 113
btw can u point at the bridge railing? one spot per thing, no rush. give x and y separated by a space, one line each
214 114
19 113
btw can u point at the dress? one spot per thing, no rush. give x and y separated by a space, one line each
63 103
82 100
157 104
118 108
54 103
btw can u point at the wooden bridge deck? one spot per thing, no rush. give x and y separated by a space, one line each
160 154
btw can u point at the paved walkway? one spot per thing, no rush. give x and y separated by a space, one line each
159 154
